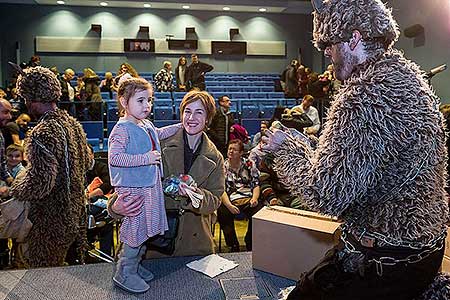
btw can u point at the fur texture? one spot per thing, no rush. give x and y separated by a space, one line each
58 217
383 128
39 84
441 284
338 18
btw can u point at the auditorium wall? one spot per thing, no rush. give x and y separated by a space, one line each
22 23
432 49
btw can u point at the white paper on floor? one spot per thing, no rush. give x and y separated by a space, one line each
212 265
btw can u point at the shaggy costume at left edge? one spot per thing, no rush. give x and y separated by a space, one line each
54 180
380 164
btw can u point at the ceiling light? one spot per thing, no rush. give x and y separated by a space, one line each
186 6
60 2
226 8
262 9
104 3
146 5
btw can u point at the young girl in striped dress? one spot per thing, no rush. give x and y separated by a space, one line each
136 170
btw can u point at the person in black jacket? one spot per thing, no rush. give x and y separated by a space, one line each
219 130
196 73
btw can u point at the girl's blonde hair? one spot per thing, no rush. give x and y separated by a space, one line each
129 87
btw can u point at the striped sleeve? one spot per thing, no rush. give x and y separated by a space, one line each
167 131
117 145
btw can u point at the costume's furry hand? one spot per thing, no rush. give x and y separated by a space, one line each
273 139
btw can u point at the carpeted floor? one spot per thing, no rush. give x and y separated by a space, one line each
173 281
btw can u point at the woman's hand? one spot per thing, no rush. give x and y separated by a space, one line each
130 207
155 157
183 187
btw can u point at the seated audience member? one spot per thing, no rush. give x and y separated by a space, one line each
311 112
98 190
164 78
238 132
14 158
17 103
242 194
257 137
15 132
273 191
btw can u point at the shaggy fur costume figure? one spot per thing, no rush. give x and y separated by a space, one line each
54 180
383 142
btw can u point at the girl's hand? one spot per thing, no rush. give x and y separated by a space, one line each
155 157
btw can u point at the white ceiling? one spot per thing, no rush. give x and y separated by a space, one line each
272 6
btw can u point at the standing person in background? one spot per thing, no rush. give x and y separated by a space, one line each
91 93
180 74
164 78
35 60
291 89
196 73
219 130
127 71
54 180
67 91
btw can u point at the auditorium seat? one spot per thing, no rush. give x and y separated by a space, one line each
93 129
162 95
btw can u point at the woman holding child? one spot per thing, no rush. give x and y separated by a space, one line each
188 151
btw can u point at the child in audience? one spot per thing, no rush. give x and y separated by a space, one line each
135 169
14 158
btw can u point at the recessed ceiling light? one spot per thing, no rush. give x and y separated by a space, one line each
104 3
60 2
186 6
262 9
146 5
226 8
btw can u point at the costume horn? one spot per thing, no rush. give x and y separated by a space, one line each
317 5
17 68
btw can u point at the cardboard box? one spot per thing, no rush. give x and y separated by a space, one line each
447 243
288 242
446 264
445 267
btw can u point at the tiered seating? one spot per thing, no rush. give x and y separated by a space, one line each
252 94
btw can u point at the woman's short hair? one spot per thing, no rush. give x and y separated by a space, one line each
237 142
206 99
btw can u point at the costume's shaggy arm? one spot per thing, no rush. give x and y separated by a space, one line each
40 174
341 170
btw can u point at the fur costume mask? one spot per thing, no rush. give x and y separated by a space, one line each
38 84
335 20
